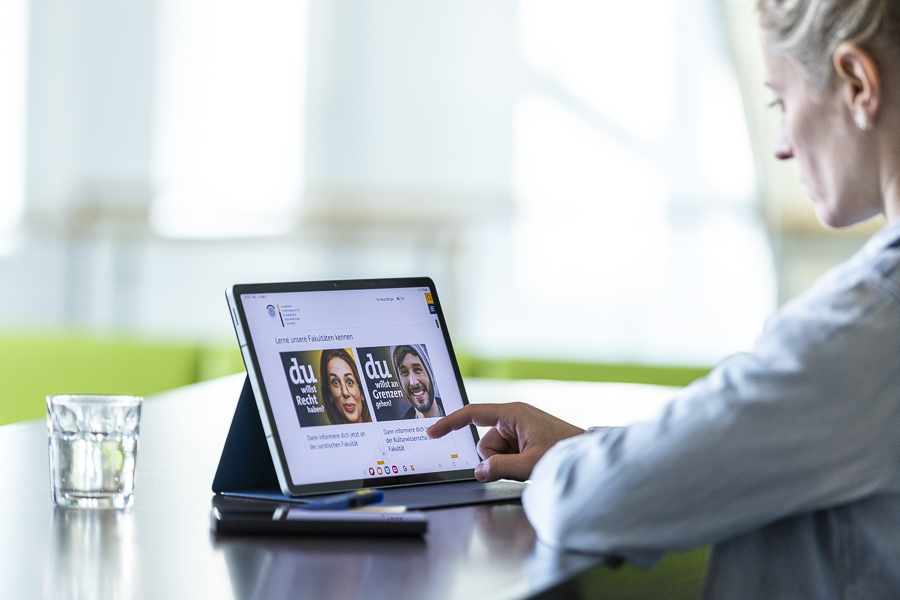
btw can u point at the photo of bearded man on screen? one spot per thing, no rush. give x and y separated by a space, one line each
417 381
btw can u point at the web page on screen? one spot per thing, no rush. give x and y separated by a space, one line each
354 377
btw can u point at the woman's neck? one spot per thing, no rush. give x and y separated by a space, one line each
891 195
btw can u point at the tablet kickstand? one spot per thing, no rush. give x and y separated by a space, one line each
246 462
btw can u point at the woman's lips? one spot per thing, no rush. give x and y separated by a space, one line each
349 407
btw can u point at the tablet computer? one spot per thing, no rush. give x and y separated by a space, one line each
347 375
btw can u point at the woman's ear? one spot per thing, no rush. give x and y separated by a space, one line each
859 82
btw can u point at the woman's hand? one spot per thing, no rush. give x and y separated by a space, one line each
520 436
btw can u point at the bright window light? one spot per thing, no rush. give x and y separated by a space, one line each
635 236
723 147
583 199
589 48
228 155
13 83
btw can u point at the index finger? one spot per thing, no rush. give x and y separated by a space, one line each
482 415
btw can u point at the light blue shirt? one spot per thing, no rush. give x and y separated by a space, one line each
786 458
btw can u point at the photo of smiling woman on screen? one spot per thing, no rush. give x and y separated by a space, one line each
345 402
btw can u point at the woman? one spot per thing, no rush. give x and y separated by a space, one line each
786 458
344 401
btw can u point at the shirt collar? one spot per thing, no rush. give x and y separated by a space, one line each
884 237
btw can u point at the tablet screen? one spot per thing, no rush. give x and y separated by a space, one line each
352 378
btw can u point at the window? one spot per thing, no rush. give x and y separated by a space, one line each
13 68
636 235
228 154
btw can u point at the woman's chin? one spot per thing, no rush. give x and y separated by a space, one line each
828 216
835 214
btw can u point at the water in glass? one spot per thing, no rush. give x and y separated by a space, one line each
93 450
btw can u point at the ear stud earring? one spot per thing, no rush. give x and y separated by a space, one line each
863 122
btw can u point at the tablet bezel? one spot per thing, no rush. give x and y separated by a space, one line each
251 362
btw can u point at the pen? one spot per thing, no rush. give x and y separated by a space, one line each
350 500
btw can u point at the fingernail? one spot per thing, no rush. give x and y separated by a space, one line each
479 472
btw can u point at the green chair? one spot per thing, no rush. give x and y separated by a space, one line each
35 366
520 368
677 576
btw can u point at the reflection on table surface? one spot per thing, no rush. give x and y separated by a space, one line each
162 548
460 557
92 554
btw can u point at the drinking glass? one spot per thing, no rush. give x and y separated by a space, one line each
93 449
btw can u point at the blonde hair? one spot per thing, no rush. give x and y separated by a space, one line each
809 31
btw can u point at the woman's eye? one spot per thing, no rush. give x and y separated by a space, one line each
351 382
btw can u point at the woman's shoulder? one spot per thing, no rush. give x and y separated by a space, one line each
870 275
886 268
861 295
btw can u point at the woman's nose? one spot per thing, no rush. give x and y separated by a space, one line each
783 149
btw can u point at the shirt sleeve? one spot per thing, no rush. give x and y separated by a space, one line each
809 419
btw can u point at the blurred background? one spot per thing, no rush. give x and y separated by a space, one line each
589 182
